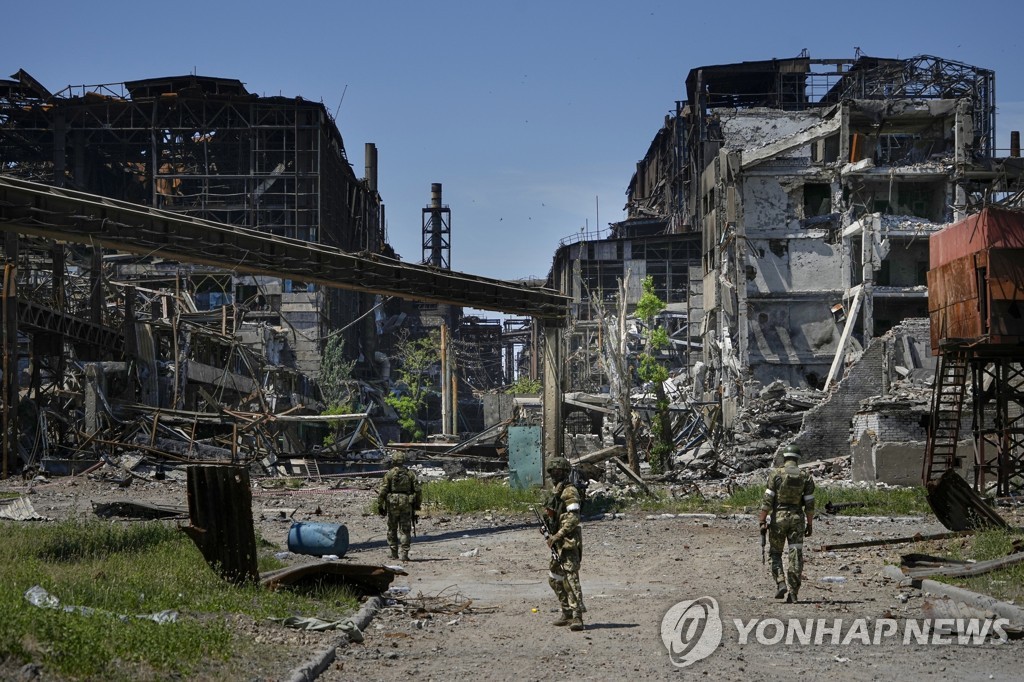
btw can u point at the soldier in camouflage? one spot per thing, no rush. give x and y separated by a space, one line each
789 500
399 499
566 539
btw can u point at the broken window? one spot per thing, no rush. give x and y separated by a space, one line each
817 199
918 199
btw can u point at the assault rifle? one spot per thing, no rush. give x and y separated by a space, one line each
764 535
546 532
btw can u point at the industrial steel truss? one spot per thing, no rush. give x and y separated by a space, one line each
998 426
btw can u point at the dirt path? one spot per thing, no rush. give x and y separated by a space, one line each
634 570
636 567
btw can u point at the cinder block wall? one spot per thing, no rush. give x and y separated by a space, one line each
826 426
896 426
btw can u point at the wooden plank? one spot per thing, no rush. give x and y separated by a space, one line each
631 474
599 455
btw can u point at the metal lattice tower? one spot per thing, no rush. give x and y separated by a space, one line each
437 231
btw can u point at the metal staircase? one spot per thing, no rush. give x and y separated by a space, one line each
947 408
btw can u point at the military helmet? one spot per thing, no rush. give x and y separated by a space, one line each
398 457
791 452
558 464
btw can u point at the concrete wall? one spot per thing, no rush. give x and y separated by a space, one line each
799 333
897 463
756 127
777 266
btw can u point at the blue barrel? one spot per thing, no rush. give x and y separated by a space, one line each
318 539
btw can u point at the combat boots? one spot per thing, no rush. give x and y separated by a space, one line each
791 598
566 619
577 622
394 552
781 591
405 555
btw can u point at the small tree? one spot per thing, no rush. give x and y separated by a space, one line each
335 373
650 369
415 358
614 361
525 386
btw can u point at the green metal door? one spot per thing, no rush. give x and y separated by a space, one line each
525 465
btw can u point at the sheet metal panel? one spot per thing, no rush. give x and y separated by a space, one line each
992 228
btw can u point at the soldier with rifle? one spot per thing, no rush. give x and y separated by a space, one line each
565 538
399 499
789 499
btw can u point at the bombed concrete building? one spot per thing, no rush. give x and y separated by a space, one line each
814 184
183 253
784 211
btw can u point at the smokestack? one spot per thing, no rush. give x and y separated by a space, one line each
436 224
371 165
1015 143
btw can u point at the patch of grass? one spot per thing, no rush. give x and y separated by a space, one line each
1006 584
877 501
747 499
474 495
118 571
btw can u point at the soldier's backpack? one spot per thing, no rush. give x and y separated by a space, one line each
791 487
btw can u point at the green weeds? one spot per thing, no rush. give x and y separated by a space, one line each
119 571
1006 584
473 495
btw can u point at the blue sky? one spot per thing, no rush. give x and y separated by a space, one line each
532 115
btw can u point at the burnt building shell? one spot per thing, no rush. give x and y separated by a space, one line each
209 148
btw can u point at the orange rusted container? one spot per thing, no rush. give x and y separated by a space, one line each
976 280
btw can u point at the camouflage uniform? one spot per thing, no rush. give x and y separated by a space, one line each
563 519
399 498
789 497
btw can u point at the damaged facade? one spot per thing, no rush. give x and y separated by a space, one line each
813 186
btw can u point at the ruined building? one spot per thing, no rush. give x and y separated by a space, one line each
814 185
784 211
205 337
185 254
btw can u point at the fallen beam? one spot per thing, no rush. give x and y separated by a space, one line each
895 541
631 474
962 571
599 455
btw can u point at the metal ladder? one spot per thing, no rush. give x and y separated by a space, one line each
947 408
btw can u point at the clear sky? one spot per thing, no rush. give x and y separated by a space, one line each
531 114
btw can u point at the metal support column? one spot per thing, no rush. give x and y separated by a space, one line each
10 354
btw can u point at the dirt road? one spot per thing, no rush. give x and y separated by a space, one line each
636 567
